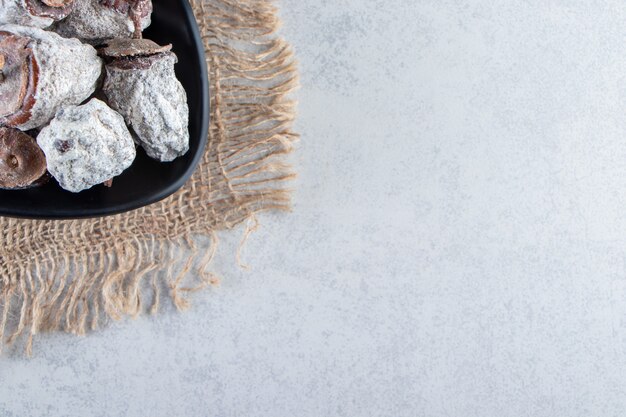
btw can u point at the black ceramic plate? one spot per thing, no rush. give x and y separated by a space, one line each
146 181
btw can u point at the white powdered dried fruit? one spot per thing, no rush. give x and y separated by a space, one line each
144 90
37 13
86 145
67 73
94 21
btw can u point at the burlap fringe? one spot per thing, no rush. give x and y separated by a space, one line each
73 275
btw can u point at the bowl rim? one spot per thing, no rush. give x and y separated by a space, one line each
170 188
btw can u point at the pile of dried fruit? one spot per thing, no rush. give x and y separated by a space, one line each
78 76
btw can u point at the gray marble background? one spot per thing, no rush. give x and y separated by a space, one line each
457 246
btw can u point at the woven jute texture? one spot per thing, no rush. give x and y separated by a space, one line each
75 275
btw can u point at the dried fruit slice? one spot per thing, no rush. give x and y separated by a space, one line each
22 163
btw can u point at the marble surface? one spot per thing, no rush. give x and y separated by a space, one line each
457 246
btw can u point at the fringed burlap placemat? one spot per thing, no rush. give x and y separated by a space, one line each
73 275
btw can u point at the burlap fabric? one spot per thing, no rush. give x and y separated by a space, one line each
73 275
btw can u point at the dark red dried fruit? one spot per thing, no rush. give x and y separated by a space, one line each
55 9
20 78
22 162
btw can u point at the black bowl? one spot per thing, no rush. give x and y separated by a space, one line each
146 181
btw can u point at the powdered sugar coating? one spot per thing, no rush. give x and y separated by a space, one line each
86 145
68 72
16 12
154 104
